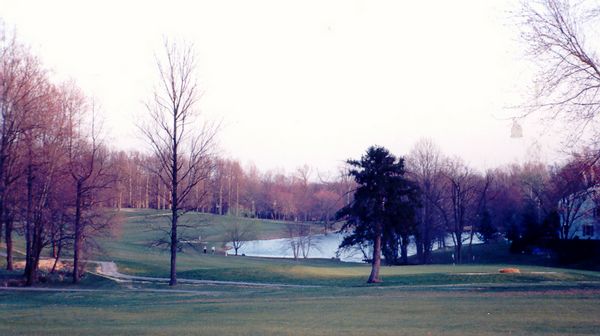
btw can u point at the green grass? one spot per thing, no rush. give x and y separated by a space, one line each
362 311
129 244
129 248
471 299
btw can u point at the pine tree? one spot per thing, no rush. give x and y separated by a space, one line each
383 200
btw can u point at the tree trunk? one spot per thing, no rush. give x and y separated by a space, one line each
471 245
36 250
56 257
8 226
158 205
427 245
147 198
59 246
77 240
130 190
458 249
220 197
174 203
419 245
229 192
376 262
405 240
30 268
173 275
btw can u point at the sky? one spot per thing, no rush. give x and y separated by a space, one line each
306 82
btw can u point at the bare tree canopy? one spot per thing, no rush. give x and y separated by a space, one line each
182 144
238 234
561 38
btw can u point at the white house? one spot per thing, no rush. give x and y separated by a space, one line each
580 214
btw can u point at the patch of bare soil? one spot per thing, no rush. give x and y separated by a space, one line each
44 265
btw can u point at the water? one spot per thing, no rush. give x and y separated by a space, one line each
322 246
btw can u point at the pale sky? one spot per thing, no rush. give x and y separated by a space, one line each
305 82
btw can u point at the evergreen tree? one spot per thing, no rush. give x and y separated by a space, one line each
382 204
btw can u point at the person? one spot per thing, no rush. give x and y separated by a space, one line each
213 250
204 249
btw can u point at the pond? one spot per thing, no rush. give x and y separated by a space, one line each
321 246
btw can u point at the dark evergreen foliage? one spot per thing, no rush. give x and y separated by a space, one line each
383 205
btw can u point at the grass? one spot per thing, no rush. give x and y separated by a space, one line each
131 252
361 311
472 299
130 243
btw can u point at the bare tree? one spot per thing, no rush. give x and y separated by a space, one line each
425 164
570 187
300 239
20 78
568 82
239 234
88 167
459 204
44 147
301 188
183 147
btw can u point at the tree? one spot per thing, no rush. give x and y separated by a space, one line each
382 190
425 163
487 230
459 204
483 195
326 201
301 189
568 81
44 147
300 238
570 187
21 77
183 147
88 167
400 222
239 234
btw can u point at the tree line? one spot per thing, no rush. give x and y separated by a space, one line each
54 167
232 189
427 198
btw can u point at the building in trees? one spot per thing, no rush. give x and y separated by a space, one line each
587 224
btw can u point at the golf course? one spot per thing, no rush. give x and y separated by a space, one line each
241 295
299 168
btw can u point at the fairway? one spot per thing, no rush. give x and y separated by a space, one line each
472 299
373 311
300 168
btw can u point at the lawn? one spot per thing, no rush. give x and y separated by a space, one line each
473 299
331 311
129 248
